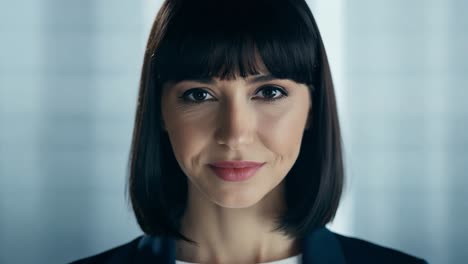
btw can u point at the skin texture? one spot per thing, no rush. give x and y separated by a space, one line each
232 221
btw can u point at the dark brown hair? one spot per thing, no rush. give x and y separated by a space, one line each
220 38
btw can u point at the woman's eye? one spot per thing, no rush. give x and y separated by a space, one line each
197 95
272 93
269 93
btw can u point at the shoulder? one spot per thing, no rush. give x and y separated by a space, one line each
357 250
124 253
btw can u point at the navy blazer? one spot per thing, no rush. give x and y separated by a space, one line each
319 246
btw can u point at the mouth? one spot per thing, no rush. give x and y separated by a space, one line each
236 172
236 164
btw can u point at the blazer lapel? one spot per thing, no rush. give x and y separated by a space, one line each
321 246
153 249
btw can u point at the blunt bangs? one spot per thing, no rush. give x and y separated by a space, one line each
213 39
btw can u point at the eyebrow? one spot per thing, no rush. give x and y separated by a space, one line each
256 79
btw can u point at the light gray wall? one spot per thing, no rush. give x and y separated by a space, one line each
403 88
68 84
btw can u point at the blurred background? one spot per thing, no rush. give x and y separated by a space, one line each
69 74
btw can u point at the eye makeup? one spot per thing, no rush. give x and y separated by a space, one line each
271 93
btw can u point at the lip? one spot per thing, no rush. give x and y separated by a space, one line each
235 164
235 171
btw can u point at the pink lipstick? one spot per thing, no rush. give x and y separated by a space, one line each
235 170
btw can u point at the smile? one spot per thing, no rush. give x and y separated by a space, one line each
235 174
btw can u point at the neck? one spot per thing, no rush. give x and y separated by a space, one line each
234 235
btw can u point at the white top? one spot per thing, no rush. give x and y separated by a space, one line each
291 260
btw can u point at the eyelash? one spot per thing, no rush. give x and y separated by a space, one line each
183 97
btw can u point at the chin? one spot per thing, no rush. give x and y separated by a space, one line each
238 200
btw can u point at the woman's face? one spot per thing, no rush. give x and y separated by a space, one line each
224 120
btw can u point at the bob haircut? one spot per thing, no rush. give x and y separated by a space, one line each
225 39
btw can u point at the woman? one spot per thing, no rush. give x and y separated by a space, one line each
236 154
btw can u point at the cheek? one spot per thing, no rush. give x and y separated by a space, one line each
185 135
187 142
282 133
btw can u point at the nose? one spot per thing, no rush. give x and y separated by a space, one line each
235 125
